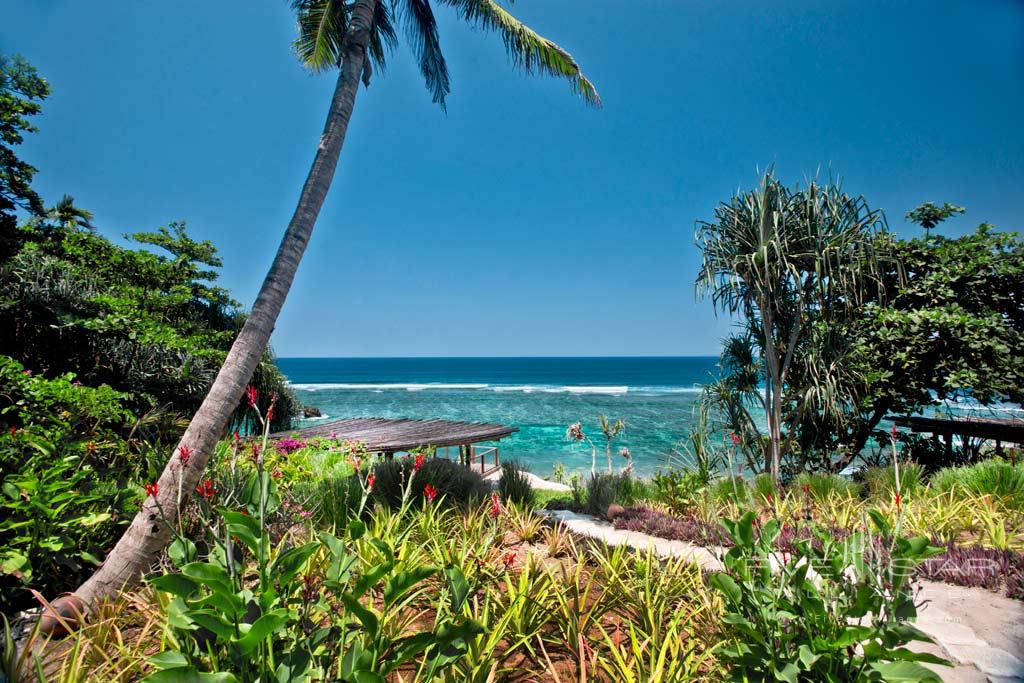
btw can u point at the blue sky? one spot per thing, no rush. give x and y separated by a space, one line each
522 222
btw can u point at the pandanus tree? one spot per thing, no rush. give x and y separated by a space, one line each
351 37
788 262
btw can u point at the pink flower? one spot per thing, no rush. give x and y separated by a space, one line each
430 493
735 439
251 395
152 489
184 454
305 514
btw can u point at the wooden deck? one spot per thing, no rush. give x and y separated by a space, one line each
381 435
1000 430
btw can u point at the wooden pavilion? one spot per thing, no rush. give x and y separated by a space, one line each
999 430
387 437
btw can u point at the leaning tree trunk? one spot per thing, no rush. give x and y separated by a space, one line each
147 536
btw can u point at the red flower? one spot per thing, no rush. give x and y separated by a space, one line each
430 492
251 395
806 488
420 459
270 412
370 480
508 558
899 502
769 499
184 454
152 489
206 489
277 473
90 446
14 431
894 432
735 439
495 505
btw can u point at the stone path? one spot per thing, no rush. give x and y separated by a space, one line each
982 632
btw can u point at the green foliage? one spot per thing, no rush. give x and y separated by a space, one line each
158 324
334 500
847 620
730 489
603 489
929 215
256 610
22 91
880 482
64 480
679 490
455 483
825 487
514 486
998 478
954 328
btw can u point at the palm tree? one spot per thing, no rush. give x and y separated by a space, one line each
785 260
610 430
350 37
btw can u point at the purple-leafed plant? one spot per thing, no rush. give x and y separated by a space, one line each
287 445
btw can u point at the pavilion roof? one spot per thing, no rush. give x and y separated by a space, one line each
382 435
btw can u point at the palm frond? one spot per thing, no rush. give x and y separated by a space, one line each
322 27
382 36
421 31
525 47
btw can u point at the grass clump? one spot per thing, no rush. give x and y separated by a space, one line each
514 485
823 487
880 482
997 478
604 489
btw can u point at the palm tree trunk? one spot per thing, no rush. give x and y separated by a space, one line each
148 534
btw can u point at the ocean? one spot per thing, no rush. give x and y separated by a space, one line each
655 397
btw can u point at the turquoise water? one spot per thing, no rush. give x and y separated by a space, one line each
656 397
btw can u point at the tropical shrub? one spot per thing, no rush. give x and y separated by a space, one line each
456 484
514 486
845 621
65 478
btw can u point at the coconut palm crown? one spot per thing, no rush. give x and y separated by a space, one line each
324 25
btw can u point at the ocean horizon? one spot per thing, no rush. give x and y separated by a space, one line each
656 396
